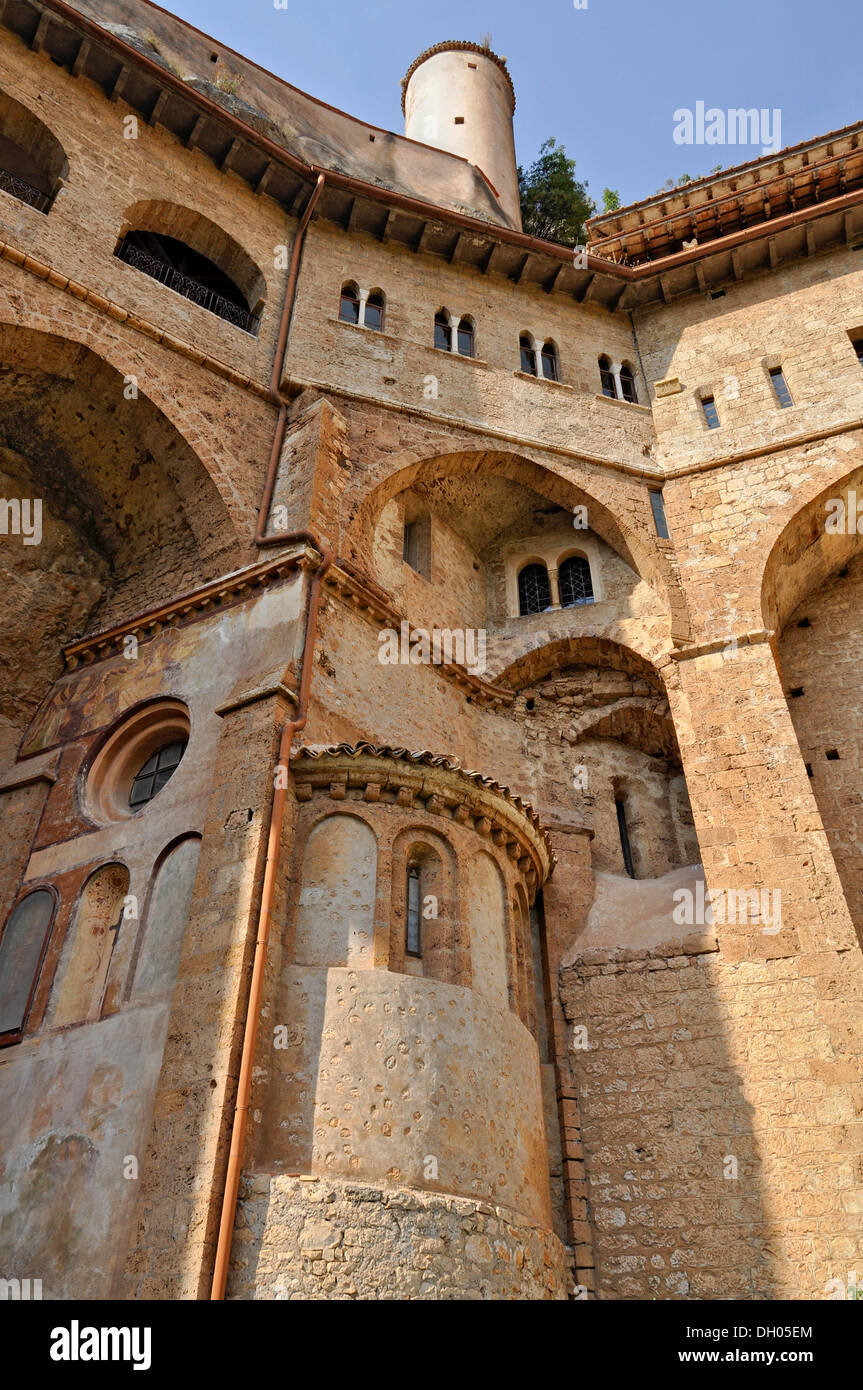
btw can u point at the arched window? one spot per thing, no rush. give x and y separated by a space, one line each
528 355
627 384
188 273
349 304
374 315
606 376
466 337
573 577
442 331
32 162
534 590
549 360
22 949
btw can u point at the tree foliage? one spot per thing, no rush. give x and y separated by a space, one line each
554 205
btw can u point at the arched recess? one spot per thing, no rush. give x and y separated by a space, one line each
23 942
86 957
600 713
805 553
158 955
812 599
335 910
647 561
442 950
591 651
487 915
206 239
128 514
33 163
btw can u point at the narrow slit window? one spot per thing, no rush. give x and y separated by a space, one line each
857 344
528 356
625 844
711 414
780 387
413 924
410 546
660 520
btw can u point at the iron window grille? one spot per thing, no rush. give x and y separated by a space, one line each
157 770
190 288
575 584
25 192
534 590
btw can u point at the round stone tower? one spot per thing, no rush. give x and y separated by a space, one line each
459 97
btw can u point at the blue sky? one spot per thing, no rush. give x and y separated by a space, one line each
605 81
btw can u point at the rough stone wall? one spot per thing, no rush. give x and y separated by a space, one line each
821 662
398 364
313 1238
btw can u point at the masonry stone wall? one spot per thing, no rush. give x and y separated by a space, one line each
675 688
312 1238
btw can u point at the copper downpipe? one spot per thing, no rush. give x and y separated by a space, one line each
277 813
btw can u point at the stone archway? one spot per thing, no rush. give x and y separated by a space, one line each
567 493
812 598
127 514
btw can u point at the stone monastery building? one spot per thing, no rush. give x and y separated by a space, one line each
431 728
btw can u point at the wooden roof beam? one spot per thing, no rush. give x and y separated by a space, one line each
158 106
81 57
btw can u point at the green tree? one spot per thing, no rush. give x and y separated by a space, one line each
610 200
554 205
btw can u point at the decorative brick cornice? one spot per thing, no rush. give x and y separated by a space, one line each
435 783
200 603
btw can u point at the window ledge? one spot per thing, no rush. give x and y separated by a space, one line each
544 380
459 356
628 405
364 328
